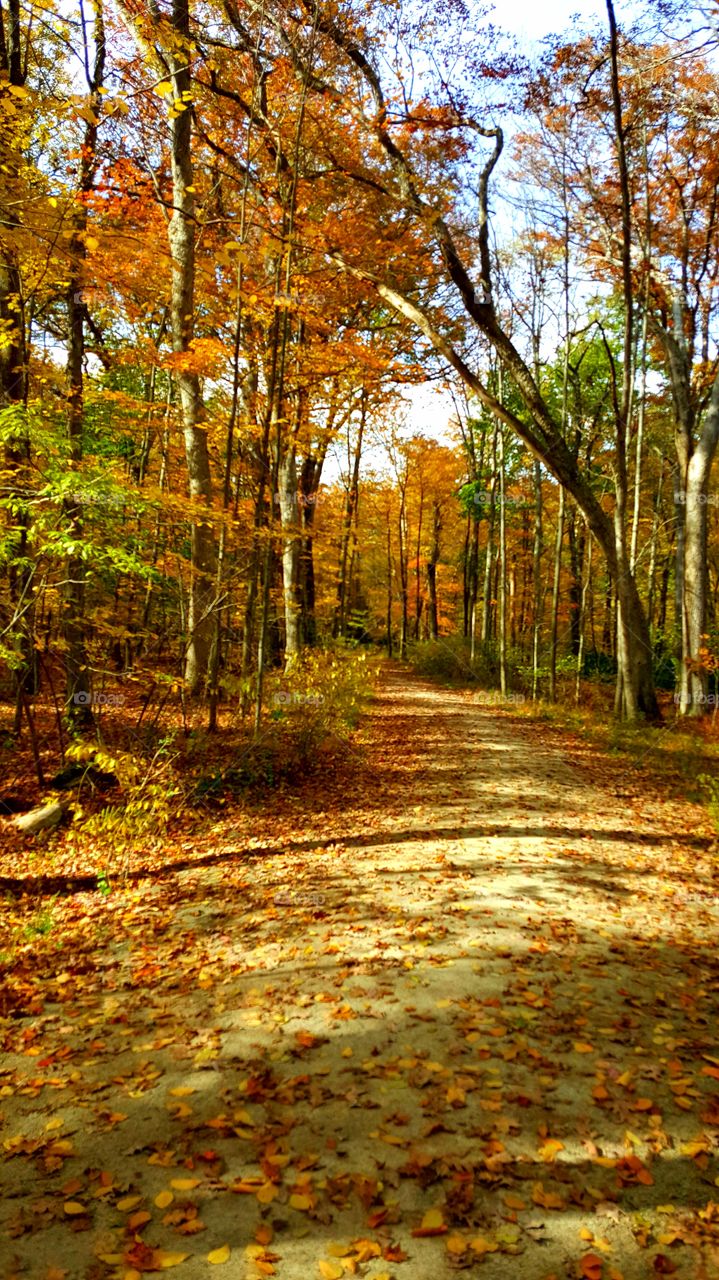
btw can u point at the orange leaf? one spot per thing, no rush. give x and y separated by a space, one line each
592 1266
514 1202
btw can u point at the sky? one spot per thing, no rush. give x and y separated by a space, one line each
530 20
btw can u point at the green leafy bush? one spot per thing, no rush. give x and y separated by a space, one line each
448 660
314 706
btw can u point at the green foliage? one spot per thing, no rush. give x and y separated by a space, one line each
599 665
41 924
448 661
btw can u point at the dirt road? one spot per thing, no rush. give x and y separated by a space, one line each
452 1008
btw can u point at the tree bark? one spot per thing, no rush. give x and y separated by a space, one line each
78 681
181 237
432 562
556 587
291 555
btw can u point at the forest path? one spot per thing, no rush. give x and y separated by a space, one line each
454 1007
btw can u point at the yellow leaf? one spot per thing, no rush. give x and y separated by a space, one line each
182 1091
433 1218
456 1244
267 1193
330 1270
548 1150
73 1207
128 1203
166 1260
57 1123
432 1224
185 1184
163 1199
581 1047
480 1244
219 1255
164 88
300 1202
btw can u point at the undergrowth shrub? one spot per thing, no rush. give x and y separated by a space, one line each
148 791
448 660
314 706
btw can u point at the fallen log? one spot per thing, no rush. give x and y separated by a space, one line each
41 819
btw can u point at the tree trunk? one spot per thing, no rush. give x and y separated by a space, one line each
502 572
432 563
78 682
554 628
403 569
14 379
489 550
695 560
291 553
537 577
181 237
389 585
310 476
351 503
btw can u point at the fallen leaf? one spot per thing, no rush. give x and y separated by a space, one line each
432 1224
592 1266
330 1270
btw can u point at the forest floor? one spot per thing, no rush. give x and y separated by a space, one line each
451 1006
